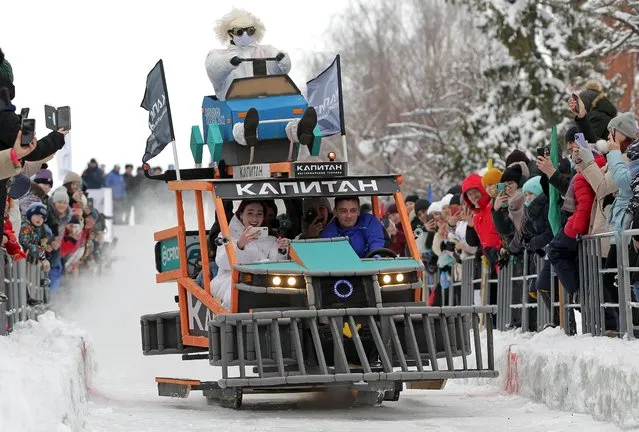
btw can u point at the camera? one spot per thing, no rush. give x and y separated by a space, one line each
221 241
418 232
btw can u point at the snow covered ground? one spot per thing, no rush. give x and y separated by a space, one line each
573 379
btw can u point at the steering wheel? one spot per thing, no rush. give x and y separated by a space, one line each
384 252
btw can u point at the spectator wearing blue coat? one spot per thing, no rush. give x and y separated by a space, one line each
364 231
115 181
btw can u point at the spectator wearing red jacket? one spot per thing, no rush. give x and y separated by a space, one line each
396 231
481 230
562 250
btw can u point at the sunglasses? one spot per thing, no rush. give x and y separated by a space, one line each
240 31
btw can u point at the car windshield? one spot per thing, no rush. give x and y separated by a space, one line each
253 87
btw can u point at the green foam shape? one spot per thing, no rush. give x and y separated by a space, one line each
215 142
197 143
317 142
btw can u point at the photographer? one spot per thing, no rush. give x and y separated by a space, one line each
316 216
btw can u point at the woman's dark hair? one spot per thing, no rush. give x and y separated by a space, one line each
245 203
270 204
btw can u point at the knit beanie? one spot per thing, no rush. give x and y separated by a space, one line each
60 195
20 186
44 176
533 186
512 173
455 190
624 123
37 208
516 156
570 134
391 209
411 198
456 200
5 68
420 205
446 200
72 177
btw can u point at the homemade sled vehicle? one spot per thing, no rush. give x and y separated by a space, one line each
324 320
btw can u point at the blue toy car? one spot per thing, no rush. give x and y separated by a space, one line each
275 99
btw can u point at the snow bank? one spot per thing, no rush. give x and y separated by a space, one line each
45 368
597 376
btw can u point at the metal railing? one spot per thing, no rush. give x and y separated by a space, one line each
595 282
22 293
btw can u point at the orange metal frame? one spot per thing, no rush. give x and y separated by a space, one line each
186 284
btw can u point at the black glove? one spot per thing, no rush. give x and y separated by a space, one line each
235 61
491 255
280 56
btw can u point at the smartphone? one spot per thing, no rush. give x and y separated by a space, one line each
263 232
64 118
542 151
28 131
581 140
50 117
500 186
24 113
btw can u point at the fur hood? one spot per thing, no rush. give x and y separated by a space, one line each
238 18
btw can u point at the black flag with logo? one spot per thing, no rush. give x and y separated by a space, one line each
156 102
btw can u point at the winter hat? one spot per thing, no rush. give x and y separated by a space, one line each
516 156
366 208
60 195
512 173
491 177
72 177
624 123
570 134
435 207
20 186
391 209
6 71
446 200
456 200
420 205
37 208
592 94
44 176
533 186
411 198
238 18
455 190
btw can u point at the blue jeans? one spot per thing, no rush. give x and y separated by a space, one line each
213 272
55 275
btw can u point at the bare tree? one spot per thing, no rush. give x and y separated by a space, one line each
409 72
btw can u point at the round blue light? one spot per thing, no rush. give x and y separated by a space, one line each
339 293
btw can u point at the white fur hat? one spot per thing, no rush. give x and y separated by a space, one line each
446 200
238 18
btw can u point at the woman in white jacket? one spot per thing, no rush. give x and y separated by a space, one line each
248 247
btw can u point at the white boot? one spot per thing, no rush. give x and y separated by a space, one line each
291 131
238 133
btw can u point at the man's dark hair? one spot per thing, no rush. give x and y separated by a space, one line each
127 166
346 198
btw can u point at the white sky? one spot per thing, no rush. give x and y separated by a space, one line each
94 56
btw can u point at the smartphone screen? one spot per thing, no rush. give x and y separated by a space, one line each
541 151
24 113
28 131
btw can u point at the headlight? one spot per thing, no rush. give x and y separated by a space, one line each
394 279
285 281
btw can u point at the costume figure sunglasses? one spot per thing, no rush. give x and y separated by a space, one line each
240 31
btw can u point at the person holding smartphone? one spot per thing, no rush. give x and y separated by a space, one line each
250 244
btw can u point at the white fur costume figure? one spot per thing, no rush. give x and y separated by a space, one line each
243 31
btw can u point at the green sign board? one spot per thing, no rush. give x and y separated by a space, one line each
169 255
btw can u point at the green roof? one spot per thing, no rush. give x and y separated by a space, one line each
334 256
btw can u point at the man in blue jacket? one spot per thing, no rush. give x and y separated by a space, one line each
364 231
115 182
